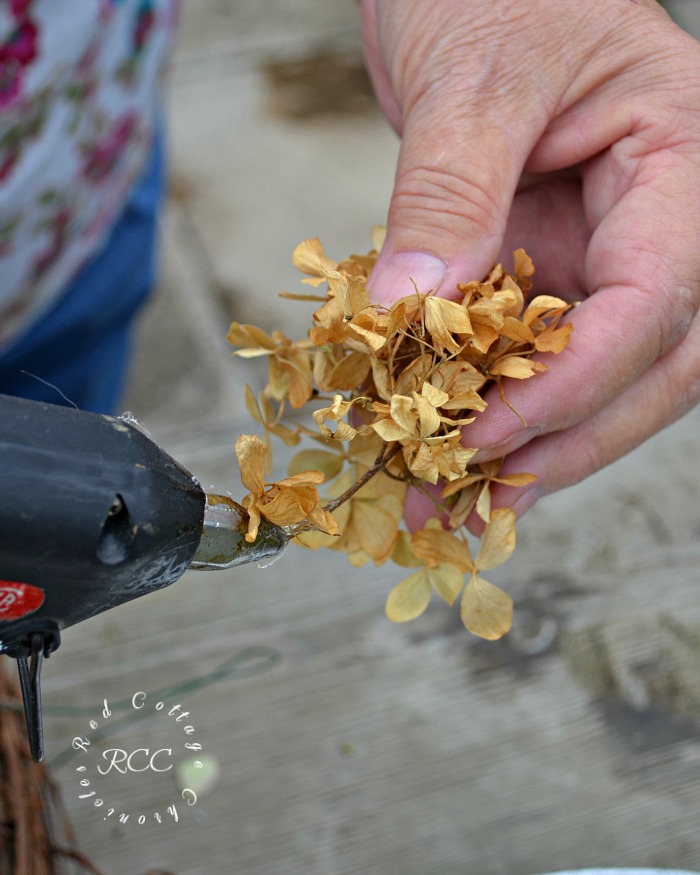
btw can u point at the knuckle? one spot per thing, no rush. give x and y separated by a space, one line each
590 455
678 309
439 200
683 379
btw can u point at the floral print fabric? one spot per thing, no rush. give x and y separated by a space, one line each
78 108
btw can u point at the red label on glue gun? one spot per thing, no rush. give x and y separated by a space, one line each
18 599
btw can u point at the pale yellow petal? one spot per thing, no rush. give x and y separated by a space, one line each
330 464
389 431
521 479
498 540
403 414
483 503
376 526
428 417
344 432
251 452
421 462
403 554
409 598
335 412
252 406
252 353
447 581
434 395
486 610
378 236
380 375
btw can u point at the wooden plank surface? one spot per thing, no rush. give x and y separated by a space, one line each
369 747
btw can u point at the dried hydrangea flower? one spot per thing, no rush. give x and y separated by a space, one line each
394 390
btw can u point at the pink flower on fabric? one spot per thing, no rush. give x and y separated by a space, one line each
10 80
19 7
144 24
17 52
101 158
8 160
21 45
59 226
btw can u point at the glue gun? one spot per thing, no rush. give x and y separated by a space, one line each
94 514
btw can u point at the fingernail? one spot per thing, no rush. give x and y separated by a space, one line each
525 501
404 272
502 448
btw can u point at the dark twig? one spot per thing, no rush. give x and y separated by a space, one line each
380 463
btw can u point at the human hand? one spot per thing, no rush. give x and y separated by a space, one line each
572 130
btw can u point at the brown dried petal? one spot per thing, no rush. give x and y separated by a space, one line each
543 305
516 330
329 324
380 376
309 258
286 505
323 521
414 375
554 339
523 268
364 326
444 318
349 373
517 367
335 413
434 545
254 340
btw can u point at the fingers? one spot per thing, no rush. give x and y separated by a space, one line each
620 225
644 266
668 390
375 65
466 135
448 210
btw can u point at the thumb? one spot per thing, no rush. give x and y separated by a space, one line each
455 182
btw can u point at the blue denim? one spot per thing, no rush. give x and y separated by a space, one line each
82 345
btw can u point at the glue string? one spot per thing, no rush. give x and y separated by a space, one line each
51 386
249 662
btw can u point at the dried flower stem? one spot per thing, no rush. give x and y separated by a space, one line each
382 460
